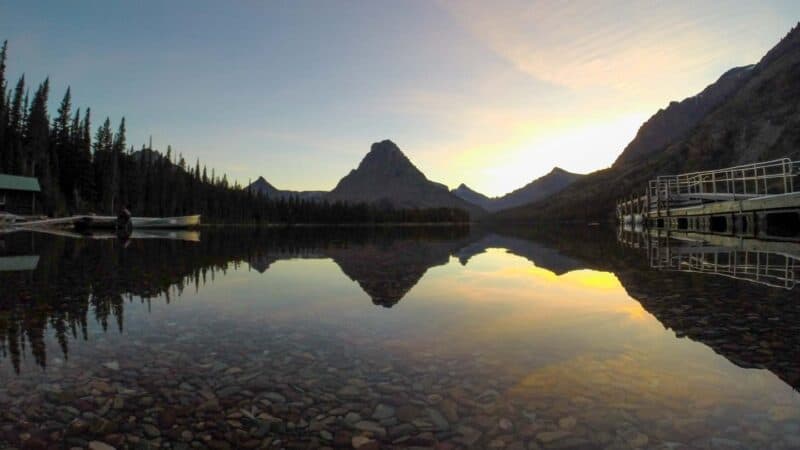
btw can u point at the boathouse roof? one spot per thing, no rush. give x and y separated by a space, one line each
17 183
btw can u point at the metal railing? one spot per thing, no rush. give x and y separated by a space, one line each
771 269
740 182
764 266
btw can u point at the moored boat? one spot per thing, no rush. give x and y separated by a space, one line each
7 219
94 222
166 222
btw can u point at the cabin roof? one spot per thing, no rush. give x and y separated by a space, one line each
17 263
17 183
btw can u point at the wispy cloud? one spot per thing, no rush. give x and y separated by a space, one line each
622 45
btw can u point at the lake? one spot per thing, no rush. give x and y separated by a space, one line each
410 337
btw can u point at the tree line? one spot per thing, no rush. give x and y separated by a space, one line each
81 171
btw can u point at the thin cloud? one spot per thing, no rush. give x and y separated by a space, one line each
621 45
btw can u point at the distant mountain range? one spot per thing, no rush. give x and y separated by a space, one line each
263 187
386 175
540 188
750 114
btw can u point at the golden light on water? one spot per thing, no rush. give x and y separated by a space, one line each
593 279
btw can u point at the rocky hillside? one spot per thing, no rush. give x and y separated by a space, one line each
386 175
757 121
760 122
675 121
536 190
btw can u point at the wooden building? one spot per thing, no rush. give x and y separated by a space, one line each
18 194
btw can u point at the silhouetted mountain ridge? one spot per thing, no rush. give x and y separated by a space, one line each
679 118
545 186
386 175
263 187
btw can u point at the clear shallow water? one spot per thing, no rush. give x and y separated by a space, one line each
432 338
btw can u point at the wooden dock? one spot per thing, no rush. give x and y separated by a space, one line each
755 200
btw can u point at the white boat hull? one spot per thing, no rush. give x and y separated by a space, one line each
165 222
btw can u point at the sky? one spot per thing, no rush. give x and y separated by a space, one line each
491 94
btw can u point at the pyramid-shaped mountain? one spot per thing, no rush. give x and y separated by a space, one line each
387 175
263 187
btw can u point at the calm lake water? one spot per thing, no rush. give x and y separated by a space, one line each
398 338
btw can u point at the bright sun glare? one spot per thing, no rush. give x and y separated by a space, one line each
581 148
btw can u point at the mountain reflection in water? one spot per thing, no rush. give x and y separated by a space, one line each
58 289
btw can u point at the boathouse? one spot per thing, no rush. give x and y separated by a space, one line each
18 194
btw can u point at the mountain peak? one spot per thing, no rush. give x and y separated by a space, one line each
386 146
263 186
387 175
384 153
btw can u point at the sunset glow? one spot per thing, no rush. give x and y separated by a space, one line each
469 90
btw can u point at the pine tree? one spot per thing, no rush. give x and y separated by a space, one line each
43 163
119 138
84 166
16 116
75 133
117 153
103 145
61 141
5 149
75 129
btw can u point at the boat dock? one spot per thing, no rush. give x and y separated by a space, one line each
759 200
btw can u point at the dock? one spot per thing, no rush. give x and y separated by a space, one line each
760 200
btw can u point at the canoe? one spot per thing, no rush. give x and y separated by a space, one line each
165 222
94 222
7 219
94 234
